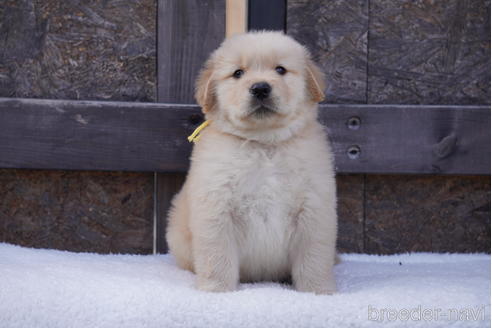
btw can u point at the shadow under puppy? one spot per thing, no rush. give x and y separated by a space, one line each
259 201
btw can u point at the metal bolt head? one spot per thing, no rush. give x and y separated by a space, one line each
353 123
353 152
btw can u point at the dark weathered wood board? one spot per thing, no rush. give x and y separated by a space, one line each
410 139
79 135
267 15
187 32
88 135
336 34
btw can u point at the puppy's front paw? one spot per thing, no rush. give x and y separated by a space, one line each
324 287
209 285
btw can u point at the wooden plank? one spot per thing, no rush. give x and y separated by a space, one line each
267 15
236 17
95 135
188 31
409 138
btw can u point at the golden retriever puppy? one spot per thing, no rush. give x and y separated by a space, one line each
259 201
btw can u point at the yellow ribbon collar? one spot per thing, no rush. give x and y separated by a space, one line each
195 136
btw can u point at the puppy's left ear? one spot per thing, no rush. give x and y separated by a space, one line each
315 81
204 91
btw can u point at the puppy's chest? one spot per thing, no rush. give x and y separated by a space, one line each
266 192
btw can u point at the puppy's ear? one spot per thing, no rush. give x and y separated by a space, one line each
315 81
204 91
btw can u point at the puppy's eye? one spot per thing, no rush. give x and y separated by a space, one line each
238 73
280 70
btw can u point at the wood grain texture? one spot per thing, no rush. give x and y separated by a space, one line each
429 52
188 31
336 34
410 139
427 214
102 50
152 137
105 212
59 134
236 17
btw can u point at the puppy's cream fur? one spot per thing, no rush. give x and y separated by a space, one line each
259 201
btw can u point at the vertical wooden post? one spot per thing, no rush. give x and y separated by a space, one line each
187 31
236 17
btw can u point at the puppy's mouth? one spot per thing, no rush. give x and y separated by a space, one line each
262 110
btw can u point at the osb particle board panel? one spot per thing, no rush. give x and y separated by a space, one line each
429 52
336 34
350 193
427 213
78 49
97 50
77 211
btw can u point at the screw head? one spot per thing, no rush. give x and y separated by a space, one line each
353 123
353 152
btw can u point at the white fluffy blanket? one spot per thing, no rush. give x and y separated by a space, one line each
47 288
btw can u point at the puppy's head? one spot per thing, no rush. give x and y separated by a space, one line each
261 86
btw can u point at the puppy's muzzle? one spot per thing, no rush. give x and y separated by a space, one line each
260 90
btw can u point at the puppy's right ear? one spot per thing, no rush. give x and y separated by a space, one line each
204 92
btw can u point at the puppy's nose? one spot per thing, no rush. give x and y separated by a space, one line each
260 90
